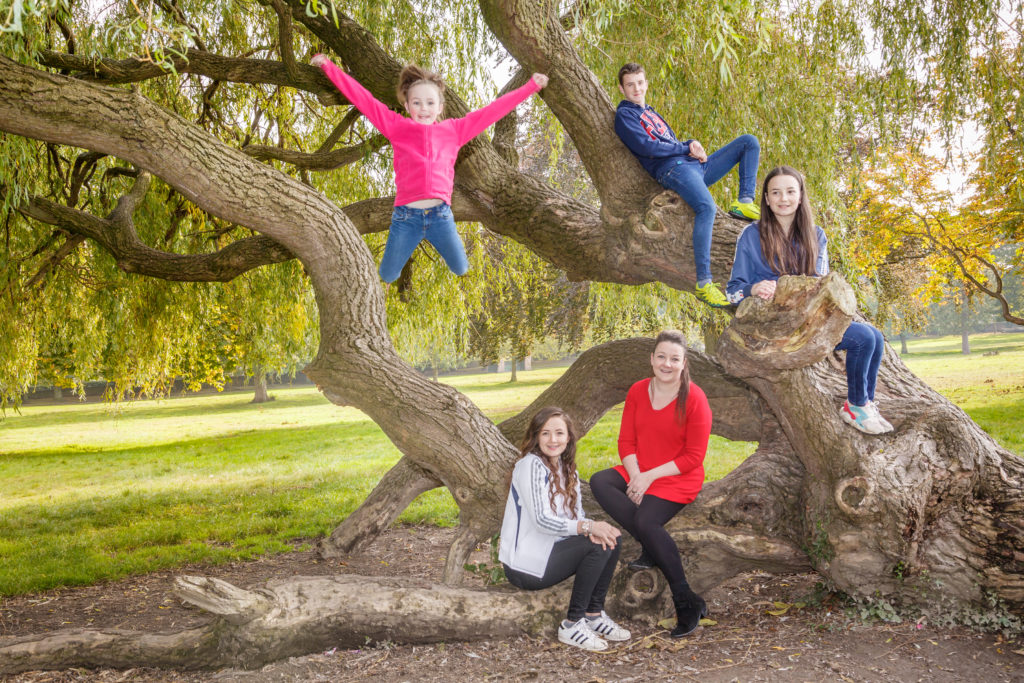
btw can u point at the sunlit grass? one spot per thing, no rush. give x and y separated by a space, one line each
990 388
94 491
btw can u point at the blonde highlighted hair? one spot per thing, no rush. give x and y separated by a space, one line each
414 75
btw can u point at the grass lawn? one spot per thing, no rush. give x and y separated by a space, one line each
990 388
93 491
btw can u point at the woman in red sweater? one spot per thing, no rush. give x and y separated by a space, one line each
666 423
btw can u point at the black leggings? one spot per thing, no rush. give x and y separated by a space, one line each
644 522
592 565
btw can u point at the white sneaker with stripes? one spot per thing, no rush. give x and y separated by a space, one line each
579 635
607 629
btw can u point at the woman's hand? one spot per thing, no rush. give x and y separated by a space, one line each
638 485
540 79
318 59
604 534
764 289
697 151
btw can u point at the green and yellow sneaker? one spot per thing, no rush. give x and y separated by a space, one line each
711 295
748 210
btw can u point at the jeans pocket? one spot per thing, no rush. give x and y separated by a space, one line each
399 214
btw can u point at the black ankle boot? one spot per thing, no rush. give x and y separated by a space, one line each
690 607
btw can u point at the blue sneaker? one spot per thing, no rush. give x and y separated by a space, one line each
861 418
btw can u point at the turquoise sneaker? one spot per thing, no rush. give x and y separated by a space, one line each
711 295
748 210
861 418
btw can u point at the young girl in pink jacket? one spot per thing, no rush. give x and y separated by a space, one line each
425 151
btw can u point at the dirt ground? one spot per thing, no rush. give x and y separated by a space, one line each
817 642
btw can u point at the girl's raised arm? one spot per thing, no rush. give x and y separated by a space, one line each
475 122
373 109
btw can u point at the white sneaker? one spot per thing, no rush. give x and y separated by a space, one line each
873 408
582 637
606 628
861 418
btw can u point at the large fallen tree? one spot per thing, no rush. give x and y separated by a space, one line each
936 502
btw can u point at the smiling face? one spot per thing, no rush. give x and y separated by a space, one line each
553 437
668 361
423 102
634 88
783 197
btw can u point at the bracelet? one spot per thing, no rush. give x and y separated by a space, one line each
585 526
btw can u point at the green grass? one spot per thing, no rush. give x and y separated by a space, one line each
989 388
90 492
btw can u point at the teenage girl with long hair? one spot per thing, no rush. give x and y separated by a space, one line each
425 150
666 423
545 537
785 241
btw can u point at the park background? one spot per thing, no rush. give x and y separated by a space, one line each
127 446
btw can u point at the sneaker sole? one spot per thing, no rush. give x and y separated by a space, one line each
601 646
735 214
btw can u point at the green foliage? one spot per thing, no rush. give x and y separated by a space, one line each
818 548
493 573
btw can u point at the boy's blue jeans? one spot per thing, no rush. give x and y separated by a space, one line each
690 179
864 346
409 227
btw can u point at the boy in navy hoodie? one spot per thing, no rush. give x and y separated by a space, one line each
687 169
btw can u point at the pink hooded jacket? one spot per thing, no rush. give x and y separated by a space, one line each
424 155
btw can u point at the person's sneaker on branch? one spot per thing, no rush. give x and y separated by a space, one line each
710 294
748 210
861 418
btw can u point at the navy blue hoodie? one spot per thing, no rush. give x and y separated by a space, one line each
749 266
649 138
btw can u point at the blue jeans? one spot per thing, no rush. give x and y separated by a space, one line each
691 180
411 226
864 346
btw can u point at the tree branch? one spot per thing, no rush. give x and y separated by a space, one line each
200 63
117 234
317 161
536 37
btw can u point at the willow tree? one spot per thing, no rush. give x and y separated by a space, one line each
937 503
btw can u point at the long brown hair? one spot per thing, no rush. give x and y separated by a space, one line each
797 252
677 337
567 460
414 75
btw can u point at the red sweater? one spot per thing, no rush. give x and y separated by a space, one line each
655 437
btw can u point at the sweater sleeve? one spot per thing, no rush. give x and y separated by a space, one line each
643 144
627 428
698 431
537 502
475 122
743 273
822 265
373 109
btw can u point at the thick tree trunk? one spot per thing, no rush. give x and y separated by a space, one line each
935 503
260 394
